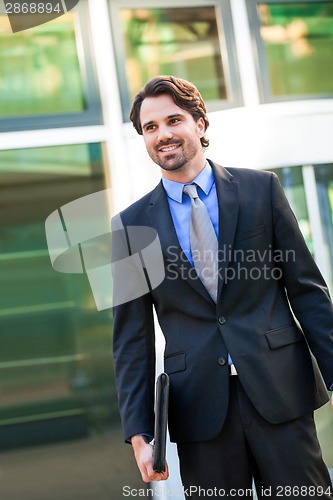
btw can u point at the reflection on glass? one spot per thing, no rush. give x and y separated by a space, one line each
179 41
298 41
55 360
292 182
40 69
324 179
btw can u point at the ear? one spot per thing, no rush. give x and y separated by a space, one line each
201 126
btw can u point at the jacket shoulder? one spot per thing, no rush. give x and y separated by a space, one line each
239 173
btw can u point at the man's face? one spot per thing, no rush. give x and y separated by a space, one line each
171 135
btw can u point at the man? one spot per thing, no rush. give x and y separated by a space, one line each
243 384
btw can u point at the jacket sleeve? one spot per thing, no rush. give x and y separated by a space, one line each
134 358
306 289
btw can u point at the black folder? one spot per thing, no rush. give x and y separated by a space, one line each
161 421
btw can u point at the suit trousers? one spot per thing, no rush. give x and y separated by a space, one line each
284 460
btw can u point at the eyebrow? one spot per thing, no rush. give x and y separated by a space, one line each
169 117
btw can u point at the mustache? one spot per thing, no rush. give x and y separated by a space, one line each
162 144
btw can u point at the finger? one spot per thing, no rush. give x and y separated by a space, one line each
148 474
164 475
160 476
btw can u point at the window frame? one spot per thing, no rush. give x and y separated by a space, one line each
226 40
92 115
260 60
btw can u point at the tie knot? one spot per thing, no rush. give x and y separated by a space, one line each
191 191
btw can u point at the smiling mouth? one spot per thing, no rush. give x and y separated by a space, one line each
167 149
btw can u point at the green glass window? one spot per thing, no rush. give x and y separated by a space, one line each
55 360
56 365
291 180
178 41
47 76
40 71
298 47
324 180
195 43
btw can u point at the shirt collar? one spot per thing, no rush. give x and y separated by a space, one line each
205 180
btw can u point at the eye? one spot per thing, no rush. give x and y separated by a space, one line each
149 128
174 120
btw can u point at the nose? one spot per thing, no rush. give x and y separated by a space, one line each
164 133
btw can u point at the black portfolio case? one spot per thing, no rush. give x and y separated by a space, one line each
161 421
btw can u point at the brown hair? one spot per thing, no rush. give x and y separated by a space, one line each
184 94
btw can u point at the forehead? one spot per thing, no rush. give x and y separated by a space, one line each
159 108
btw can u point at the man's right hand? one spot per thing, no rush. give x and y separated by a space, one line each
144 455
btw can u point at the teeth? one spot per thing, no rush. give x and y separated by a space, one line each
170 148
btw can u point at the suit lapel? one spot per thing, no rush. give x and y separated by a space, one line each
228 200
161 220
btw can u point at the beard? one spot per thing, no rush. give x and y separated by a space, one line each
173 162
177 159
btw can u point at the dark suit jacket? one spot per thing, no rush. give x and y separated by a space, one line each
265 267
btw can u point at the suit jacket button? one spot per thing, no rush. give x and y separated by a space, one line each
221 361
222 320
